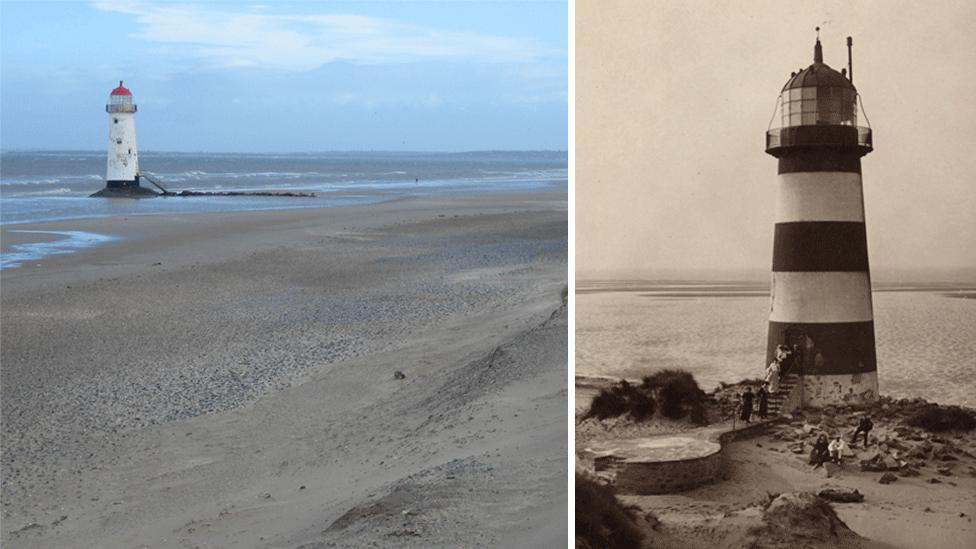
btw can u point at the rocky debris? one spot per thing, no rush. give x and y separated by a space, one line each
893 445
837 495
887 478
934 480
399 375
909 472
293 194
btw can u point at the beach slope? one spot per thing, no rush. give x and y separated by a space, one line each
232 379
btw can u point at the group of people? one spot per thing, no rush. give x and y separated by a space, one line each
760 399
824 451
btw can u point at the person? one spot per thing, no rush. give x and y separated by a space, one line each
836 449
772 376
782 352
762 396
863 426
797 355
747 405
820 452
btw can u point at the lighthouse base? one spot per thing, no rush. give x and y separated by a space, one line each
839 390
124 189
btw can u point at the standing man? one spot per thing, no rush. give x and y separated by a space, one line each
863 426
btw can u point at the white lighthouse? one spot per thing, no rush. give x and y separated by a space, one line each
123 158
122 170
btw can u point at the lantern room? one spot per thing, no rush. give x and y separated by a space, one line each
818 106
120 100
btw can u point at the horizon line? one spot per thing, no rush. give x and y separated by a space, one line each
400 151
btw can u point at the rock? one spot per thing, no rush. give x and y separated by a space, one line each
887 478
944 470
909 472
934 481
399 375
928 510
890 463
841 496
869 456
797 448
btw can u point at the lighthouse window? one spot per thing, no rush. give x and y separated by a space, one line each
118 141
115 120
809 93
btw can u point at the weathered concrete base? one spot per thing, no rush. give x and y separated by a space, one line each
843 389
659 465
128 191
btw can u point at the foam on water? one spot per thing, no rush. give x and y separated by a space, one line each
32 251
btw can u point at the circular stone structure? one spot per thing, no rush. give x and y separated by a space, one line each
657 465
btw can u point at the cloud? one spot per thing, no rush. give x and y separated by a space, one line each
262 39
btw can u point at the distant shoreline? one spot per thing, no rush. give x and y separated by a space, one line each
730 288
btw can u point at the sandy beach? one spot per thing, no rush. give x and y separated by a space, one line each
228 380
927 501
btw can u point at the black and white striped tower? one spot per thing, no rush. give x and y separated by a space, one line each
821 284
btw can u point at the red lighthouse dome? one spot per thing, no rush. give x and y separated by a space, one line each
121 90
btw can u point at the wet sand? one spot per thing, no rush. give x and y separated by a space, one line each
214 380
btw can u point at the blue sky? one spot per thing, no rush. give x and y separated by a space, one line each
287 77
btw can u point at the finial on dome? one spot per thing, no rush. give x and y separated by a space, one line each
817 49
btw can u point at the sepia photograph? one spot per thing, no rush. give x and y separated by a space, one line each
775 248
284 274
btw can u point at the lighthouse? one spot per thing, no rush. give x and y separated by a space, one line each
122 171
820 306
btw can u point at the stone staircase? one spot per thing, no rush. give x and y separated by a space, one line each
785 400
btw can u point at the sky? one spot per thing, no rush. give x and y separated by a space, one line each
287 76
673 100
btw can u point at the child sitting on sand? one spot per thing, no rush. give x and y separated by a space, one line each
836 449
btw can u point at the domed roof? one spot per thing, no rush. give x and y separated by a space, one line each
121 90
818 74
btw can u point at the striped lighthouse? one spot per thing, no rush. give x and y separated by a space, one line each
821 284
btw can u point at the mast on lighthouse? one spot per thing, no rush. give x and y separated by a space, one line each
821 306
122 172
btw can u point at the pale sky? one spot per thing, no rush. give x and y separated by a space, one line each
234 76
674 98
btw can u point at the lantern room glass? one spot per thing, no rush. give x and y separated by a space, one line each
823 105
120 103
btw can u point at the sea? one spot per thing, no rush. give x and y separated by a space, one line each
925 334
37 186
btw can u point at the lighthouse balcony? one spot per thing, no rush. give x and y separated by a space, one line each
121 107
779 141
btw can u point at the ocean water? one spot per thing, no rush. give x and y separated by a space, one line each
54 185
925 337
